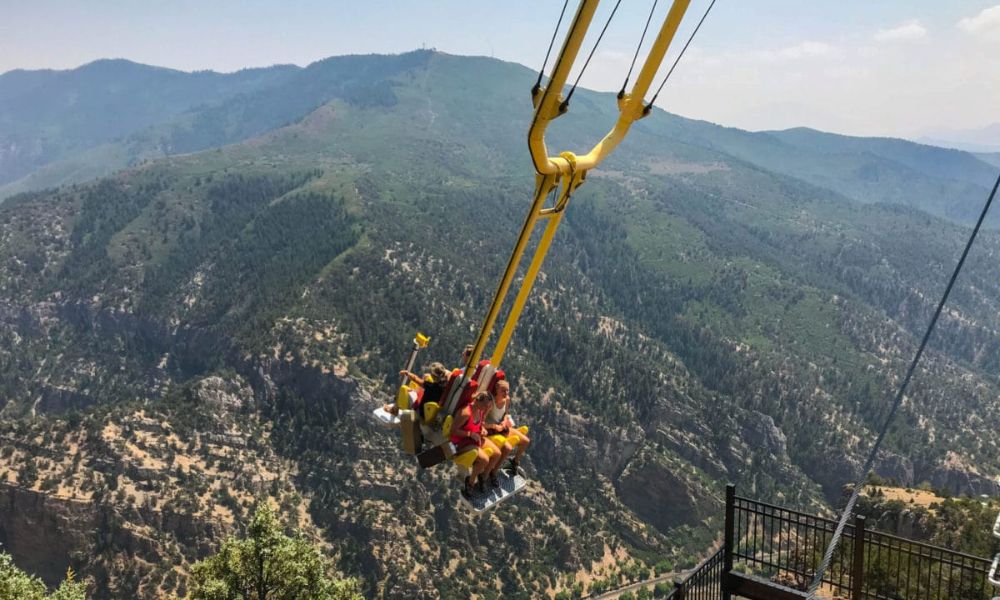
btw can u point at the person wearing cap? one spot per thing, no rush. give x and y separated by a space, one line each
431 388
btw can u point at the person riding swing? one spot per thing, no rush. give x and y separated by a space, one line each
430 388
467 433
500 426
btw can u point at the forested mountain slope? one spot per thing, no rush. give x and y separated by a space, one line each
206 328
942 182
937 162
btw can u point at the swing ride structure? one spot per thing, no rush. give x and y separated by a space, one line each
557 176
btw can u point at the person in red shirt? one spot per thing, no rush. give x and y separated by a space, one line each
467 432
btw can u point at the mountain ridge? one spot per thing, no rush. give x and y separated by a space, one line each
867 169
51 115
982 139
99 63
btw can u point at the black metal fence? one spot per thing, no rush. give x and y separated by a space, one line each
704 583
895 567
786 546
767 544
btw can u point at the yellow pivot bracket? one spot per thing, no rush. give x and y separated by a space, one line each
566 170
631 106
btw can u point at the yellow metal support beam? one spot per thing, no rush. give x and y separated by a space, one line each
631 105
568 168
555 217
526 285
543 186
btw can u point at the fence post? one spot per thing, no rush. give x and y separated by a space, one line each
679 591
727 551
858 564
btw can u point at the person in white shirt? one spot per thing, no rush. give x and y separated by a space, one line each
499 424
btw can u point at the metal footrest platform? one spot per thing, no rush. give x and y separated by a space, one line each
509 486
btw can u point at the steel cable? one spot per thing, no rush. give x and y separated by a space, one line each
897 402
565 103
541 72
649 106
637 48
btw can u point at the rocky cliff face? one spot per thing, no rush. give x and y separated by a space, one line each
959 477
117 548
664 494
43 532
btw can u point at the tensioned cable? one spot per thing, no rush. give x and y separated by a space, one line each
541 72
565 103
637 48
870 461
649 106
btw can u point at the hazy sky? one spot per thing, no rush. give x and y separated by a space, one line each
855 66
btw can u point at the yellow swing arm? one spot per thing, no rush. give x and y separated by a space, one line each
567 170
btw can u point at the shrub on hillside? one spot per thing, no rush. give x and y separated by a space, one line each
15 583
268 564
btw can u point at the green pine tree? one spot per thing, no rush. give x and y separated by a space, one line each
268 564
15 583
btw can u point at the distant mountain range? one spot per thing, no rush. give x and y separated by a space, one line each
49 116
59 127
220 288
984 139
